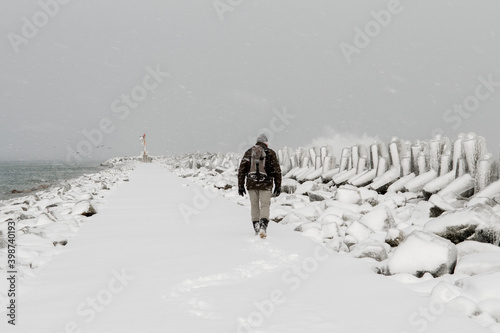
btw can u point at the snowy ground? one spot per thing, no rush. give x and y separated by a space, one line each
163 254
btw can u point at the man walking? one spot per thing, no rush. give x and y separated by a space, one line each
260 167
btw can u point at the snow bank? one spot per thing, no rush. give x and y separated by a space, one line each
49 219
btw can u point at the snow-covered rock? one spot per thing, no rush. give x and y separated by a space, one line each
305 187
478 263
481 287
330 218
403 214
289 200
442 204
224 184
291 218
394 237
421 213
423 252
359 231
320 195
330 230
485 319
337 245
369 196
472 247
289 185
45 218
296 205
349 217
492 307
348 194
307 226
341 206
311 229
85 196
478 222
370 249
378 219
310 212
488 233
3 241
84 208
32 242
278 213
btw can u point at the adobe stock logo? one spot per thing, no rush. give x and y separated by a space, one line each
199 202
31 28
471 104
372 29
89 309
223 6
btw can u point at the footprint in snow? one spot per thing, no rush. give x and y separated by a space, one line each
183 292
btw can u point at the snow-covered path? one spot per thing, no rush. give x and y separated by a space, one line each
141 266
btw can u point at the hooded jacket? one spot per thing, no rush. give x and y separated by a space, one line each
272 167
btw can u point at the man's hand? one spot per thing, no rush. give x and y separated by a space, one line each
241 191
277 191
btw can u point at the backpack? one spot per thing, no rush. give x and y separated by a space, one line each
257 171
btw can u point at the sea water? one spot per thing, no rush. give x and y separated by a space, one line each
30 177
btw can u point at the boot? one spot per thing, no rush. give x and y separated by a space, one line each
256 227
263 227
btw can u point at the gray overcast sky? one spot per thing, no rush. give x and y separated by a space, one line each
229 78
